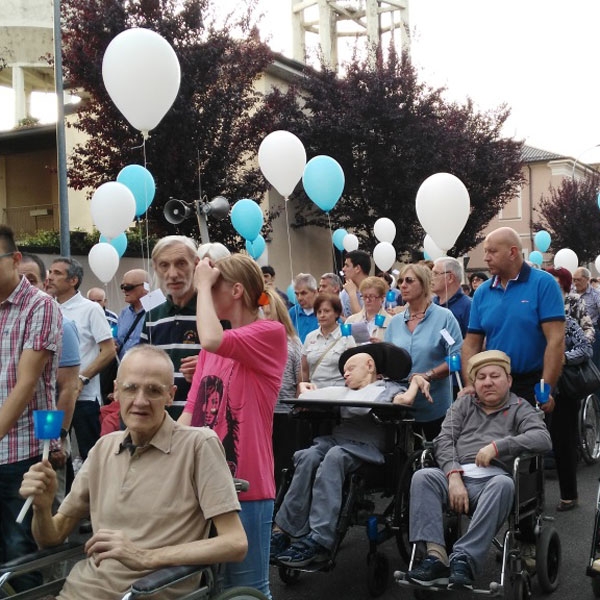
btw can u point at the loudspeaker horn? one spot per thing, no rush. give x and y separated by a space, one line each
218 208
177 211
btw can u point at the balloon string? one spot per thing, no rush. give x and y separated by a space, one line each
289 241
331 235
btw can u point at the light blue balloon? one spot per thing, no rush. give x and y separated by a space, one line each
141 183
426 255
598 200
257 247
323 181
291 294
542 241
247 218
338 238
119 243
536 258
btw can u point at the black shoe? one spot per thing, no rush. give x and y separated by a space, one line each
304 552
431 571
461 575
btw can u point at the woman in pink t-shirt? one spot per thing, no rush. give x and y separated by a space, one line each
234 391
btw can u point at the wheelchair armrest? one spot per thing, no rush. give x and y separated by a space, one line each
158 580
43 558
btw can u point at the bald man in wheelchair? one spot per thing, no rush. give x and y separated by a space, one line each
491 424
152 491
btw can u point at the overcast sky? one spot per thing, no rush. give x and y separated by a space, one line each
537 56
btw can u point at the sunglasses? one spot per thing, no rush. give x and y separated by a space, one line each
408 280
127 287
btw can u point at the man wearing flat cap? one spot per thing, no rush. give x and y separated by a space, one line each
491 424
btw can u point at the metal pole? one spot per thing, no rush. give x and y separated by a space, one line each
61 146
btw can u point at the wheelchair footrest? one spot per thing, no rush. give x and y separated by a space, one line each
401 579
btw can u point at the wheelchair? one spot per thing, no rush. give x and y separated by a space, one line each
593 568
370 493
528 546
588 424
61 558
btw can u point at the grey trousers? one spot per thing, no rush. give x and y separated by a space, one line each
490 503
313 501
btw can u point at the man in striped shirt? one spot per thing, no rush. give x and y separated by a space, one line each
172 325
31 327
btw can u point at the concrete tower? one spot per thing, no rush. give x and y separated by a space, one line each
26 43
327 21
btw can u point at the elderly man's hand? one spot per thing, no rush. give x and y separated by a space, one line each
40 482
107 543
306 386
468 390
457 494
548 406
485 455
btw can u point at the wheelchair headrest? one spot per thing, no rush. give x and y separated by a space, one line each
390 361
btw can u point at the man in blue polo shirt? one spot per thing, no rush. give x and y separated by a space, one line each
519 311
302 314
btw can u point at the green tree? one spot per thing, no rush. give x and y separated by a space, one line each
569 214
210 127
389 132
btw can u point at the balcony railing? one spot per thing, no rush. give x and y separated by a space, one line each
30 219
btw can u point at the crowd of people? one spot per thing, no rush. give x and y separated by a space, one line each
195 384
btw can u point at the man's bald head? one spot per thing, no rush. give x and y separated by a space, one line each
506 236
360 371
503 253
98 295
133 288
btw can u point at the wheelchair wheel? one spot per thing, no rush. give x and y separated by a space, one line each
287 575
378 573
520 588
241 593
547 560
401 505
589 429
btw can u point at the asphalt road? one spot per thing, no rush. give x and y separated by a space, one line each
348 579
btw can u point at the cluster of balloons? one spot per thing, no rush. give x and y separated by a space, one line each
443 206
247 219
343 240
542 241
384 253
141 74
114 206
282 160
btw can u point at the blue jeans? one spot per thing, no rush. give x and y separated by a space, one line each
15 538
253 571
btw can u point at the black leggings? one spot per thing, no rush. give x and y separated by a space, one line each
563 431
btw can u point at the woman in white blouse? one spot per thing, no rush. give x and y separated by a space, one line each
373 290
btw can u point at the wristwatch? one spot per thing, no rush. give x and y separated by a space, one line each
429 374
85 380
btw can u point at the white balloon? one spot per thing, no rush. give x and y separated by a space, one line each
282 159
104 261
141 74
350 242
597 263
443 207
432 249
384 230
566 258
112 208
384 255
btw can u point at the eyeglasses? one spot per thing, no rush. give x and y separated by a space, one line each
127 287
371 297
151 391
438 274
6 254
408 280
